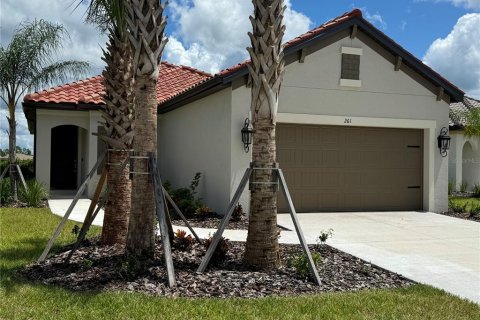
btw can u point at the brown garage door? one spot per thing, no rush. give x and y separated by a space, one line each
331 168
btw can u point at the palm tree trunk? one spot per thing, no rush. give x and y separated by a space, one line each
117 207
12 149
118 116
262 249
140 240
266 70
146 27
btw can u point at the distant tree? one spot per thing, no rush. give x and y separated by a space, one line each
472 122
28 63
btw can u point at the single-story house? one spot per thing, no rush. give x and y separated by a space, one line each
464 158
357 125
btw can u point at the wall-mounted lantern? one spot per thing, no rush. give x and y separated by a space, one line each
443 141
247 134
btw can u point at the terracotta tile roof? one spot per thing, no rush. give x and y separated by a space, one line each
173 81
458 109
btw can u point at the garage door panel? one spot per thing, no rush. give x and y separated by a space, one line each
330 168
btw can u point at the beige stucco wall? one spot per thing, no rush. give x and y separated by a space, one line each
462 167
205 135
387 98
196 138
87 144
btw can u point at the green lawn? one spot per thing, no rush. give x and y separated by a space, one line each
24 233
470 201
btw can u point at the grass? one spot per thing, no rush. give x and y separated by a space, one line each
462 201
24 233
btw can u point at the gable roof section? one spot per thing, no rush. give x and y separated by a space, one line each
173 80
346 21
458 109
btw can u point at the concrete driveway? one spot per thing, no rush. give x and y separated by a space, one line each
429 248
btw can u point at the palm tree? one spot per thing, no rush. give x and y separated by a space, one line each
28 63
110 16
266 70
146 33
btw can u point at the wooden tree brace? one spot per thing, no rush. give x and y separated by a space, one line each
61 225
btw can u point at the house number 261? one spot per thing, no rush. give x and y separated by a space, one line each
348 120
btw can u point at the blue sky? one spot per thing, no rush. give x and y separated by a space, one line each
211 34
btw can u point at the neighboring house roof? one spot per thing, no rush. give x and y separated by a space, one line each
458 110
173 80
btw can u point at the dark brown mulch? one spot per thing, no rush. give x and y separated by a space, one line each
103 268
462 215
212 222
20 204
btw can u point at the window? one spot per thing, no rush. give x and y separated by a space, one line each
350 66
350 73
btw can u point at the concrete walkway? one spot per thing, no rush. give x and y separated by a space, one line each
428 248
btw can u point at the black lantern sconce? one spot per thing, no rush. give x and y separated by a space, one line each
443 141
247 134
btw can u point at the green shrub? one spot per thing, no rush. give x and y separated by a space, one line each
476 190
185 198
300 263
474 210
34 194
463 186
5 191
457 207
451 186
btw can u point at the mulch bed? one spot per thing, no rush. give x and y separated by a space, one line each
95 268
462 215
212 222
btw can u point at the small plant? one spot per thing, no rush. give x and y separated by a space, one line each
195 182
300 263
203 211
131 267
457 207
463 186
5 191
87 263
451 185
185 198
221 250
324 236
476 190
75 230
34 194
366 269
182 241
238 213
474 210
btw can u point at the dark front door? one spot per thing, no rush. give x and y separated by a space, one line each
63 170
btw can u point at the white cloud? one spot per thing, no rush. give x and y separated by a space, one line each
374 18
467 4
457 56
214 37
